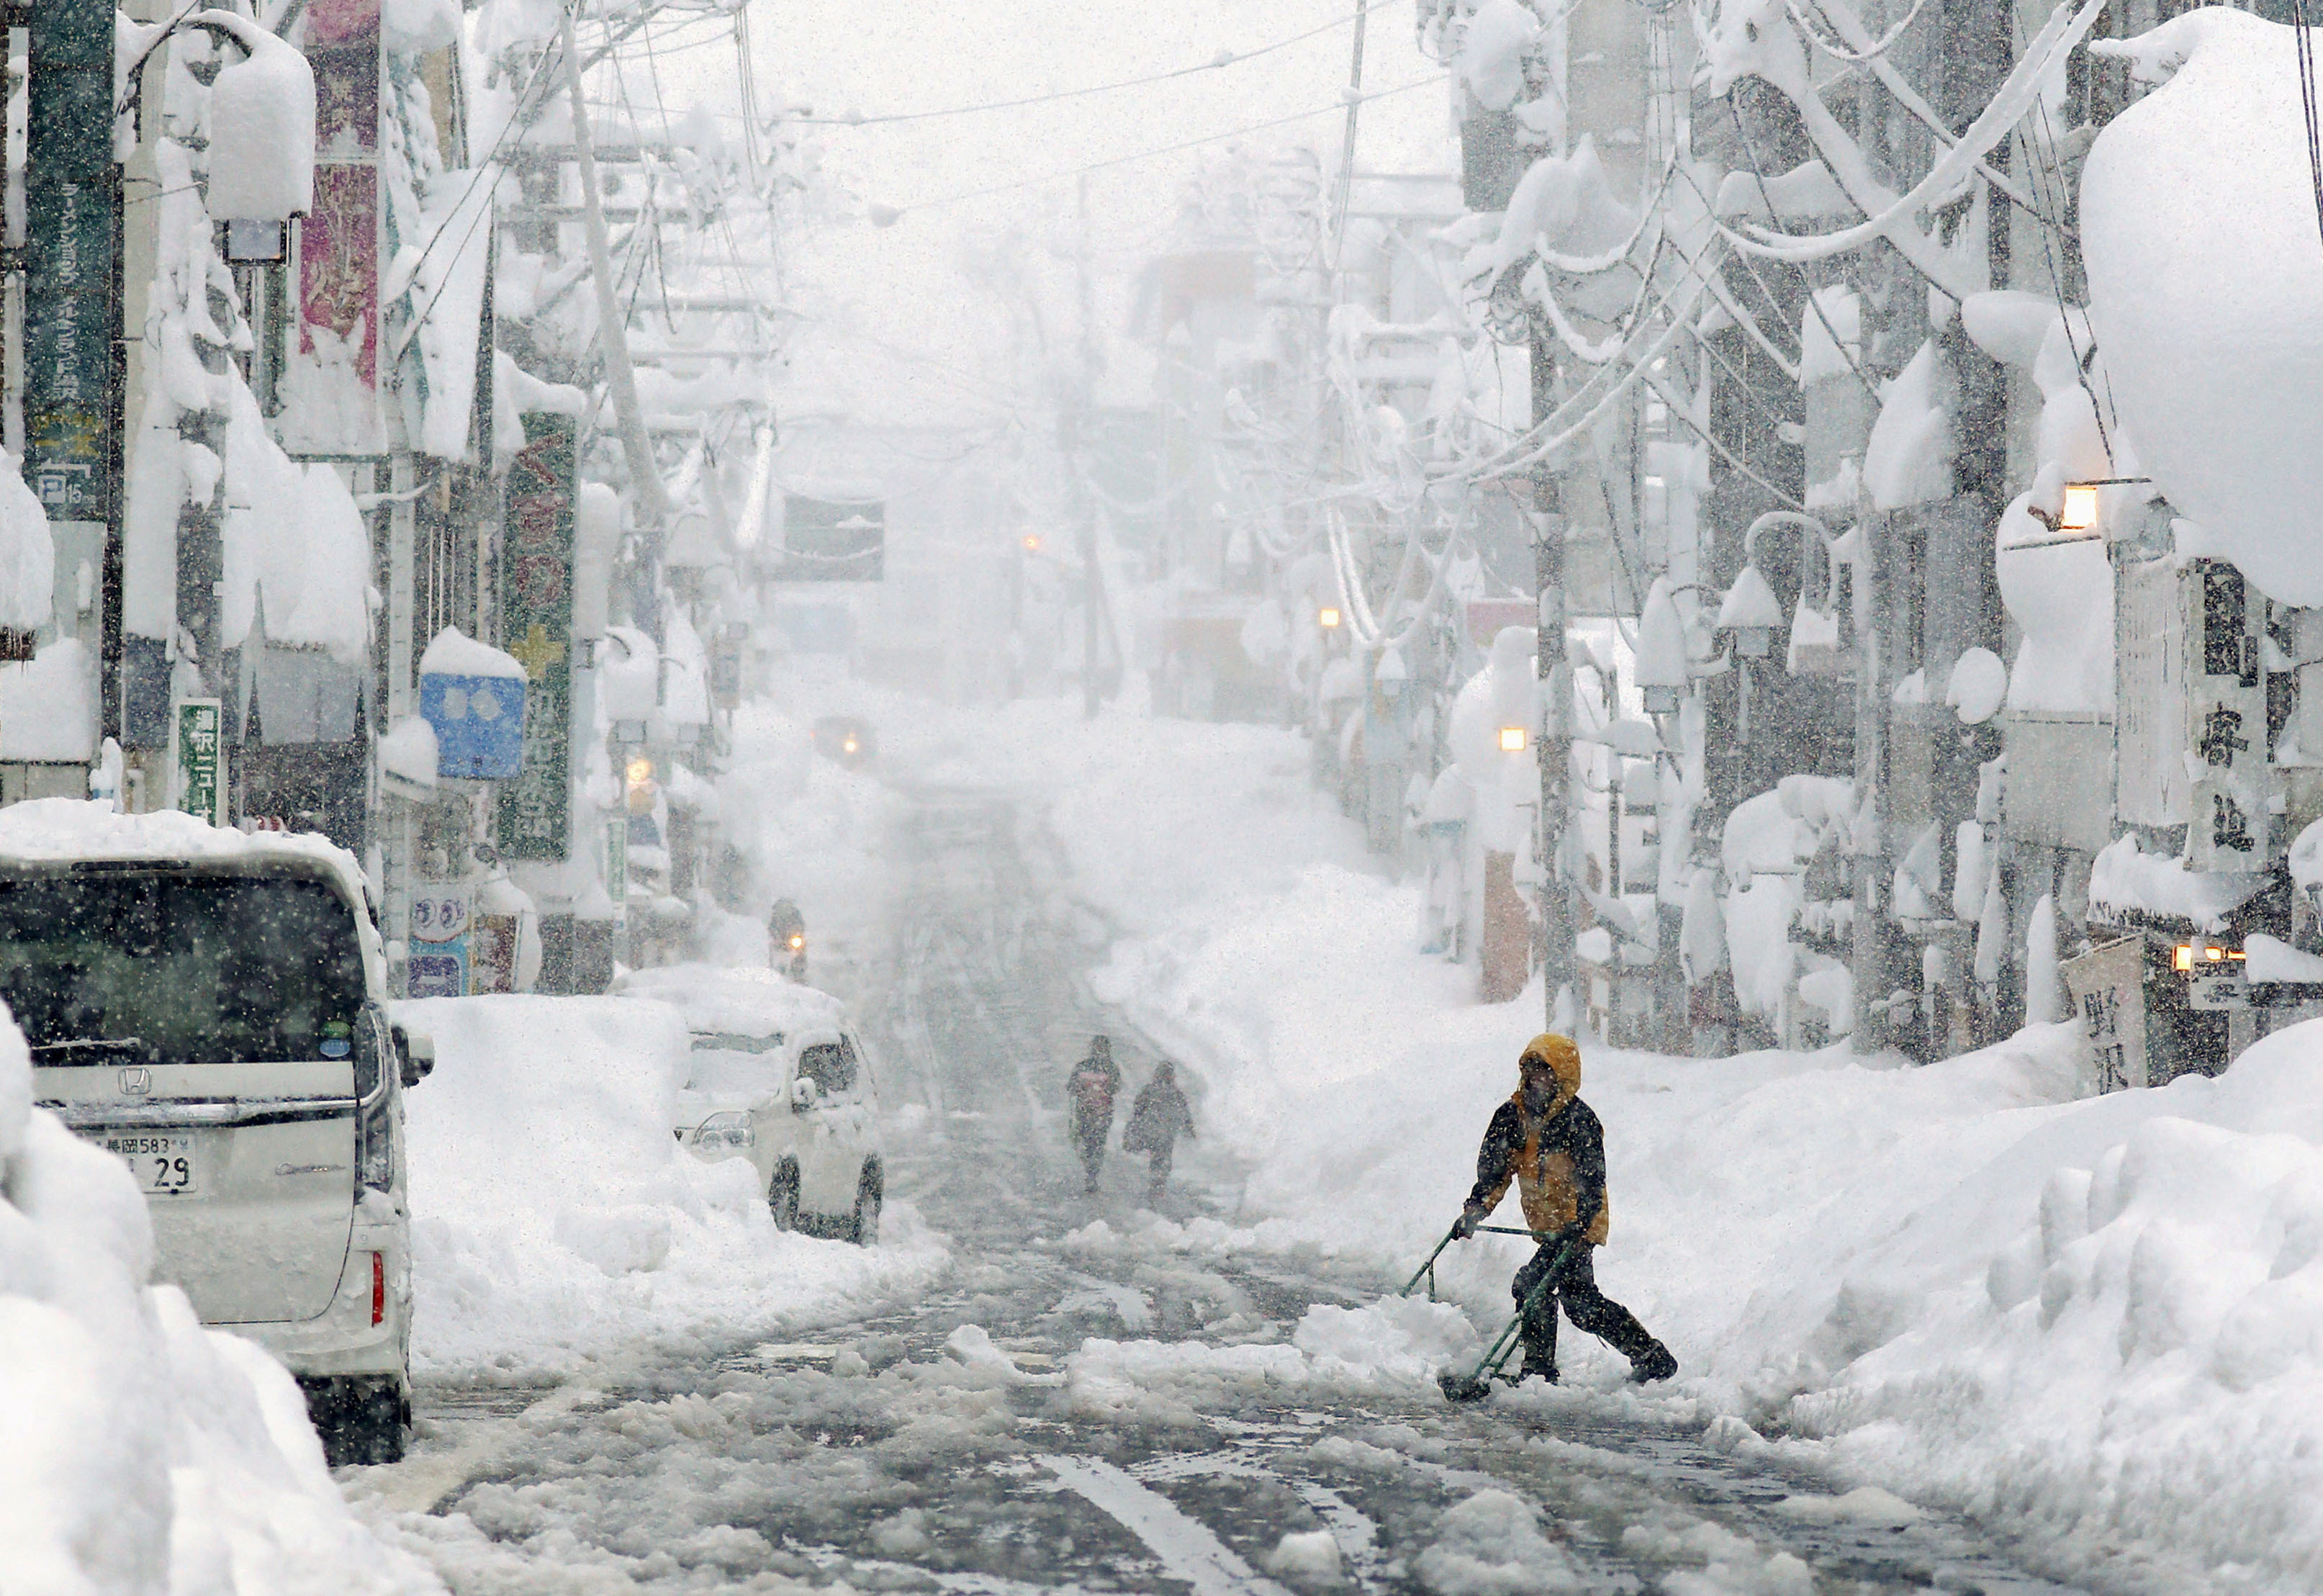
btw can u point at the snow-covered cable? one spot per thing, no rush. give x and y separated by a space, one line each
1531 447
1945 180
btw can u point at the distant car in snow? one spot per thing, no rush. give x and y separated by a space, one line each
845 738
778 1075
210 1006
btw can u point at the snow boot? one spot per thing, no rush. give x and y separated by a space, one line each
1533 1367
1654 1363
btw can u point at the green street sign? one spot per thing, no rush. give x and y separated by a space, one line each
201 759
535 812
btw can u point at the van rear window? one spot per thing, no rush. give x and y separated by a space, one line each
160 967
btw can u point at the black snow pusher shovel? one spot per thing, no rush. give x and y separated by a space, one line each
1474 1385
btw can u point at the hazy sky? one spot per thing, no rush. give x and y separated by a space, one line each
902 285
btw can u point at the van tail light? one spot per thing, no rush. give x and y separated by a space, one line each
375 1146
378 1287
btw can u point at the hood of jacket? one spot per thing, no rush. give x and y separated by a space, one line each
1564 1061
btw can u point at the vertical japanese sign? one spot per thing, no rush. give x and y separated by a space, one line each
617 866
333 380
536 609
72 190
201 759
2226 725
2107 987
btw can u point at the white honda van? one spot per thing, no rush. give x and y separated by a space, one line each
208 1005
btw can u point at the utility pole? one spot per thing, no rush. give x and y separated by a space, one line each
1073 419
1347 151
1554 741
613 325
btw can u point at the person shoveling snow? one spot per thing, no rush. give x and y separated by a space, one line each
1549 1141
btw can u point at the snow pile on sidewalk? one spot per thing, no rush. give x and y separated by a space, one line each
2092 1319
144 1453
554 1218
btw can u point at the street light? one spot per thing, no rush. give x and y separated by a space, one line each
2081 513
1512 739
1032 541
1327 617
1751 613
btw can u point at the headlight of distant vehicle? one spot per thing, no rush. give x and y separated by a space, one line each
725 1132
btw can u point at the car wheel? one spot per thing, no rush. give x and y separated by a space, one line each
782 1195
870 1196
358 1421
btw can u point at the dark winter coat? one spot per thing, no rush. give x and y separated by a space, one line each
1158 1118
1094 1082
1557 1158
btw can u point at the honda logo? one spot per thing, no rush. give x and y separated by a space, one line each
136 1081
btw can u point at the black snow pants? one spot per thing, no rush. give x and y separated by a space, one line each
1089 1138
1589 1309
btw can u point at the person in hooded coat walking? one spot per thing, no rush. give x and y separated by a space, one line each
1551 1143
1156 1120
1092 1086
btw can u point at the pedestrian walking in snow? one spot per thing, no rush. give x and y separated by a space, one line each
1550 1143
1156 1120
1094 1084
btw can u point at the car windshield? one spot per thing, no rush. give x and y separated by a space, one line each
163 968
733 1064
831 1065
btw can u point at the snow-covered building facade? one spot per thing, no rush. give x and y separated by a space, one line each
1945 399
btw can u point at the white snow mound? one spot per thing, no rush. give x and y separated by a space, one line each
2206 286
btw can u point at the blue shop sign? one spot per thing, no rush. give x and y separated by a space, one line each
479 723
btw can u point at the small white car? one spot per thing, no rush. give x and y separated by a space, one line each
210 1006
778 1075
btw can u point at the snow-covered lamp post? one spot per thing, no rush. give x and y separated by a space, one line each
1750 614
1663 671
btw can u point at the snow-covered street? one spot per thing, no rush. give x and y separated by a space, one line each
1096 1396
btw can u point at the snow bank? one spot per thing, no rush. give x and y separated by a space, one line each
1397 1344
48 704
28 552
145 1453
2198 225
2093 1320
555 1218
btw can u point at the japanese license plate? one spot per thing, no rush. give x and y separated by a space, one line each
165 1166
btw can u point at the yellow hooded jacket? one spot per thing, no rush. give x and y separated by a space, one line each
1556 1159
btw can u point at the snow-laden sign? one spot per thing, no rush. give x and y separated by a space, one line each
535 600
2206 286
261 128
474 696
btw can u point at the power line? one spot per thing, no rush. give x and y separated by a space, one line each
1223 59
1235 132
2306 46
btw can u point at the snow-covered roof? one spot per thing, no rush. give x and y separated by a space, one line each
745 1002
2128 883
454 653
54 830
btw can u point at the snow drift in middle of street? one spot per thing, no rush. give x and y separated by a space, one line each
555 1220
